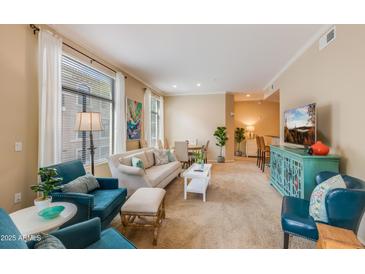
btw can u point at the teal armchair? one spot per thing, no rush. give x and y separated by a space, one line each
104 202
85 235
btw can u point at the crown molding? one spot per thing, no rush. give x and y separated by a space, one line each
299 53
193 93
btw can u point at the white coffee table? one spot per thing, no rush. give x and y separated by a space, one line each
29 222
199 180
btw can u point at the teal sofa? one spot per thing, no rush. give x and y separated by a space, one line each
83 235
104 202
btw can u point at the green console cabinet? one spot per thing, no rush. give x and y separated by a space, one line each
293 171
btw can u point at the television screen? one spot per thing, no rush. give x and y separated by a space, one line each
300 125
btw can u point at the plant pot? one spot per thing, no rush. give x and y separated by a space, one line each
202 166
238 153
42 203
220 159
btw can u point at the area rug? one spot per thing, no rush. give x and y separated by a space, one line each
242 211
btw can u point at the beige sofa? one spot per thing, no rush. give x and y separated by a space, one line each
133 177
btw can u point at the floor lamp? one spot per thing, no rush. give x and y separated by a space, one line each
89 121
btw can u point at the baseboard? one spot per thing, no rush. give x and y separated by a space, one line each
215 161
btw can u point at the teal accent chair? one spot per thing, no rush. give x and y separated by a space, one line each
83 235
104 202
345 208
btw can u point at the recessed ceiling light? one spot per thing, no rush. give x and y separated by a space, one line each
174 86
198 84
248 95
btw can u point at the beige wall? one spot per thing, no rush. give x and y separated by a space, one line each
334 79
264 116
18 114
194 117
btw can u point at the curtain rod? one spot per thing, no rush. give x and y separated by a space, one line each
36 29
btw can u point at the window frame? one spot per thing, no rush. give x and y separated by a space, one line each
158 122
89 95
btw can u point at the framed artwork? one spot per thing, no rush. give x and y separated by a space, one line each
134 119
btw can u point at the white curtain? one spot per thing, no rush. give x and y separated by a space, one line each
50 98
147 116
119 115
162 120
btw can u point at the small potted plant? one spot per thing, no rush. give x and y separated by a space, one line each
50 182
221 136
239 136
199 158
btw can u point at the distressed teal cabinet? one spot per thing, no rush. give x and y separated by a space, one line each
293 171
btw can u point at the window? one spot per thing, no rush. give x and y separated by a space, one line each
85 89
155 120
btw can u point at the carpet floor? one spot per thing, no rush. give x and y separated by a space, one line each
242 211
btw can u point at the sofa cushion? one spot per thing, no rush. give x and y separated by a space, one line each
161 157
295 218
127 160
111 239
317 207
150 158
106 200
82 184
48 242
157 174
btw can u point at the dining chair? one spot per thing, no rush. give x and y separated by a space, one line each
258 153
181 152
205 151
159 144
143 143
265 153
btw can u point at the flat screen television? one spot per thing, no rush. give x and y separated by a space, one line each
300 125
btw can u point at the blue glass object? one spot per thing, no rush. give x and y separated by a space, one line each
51 212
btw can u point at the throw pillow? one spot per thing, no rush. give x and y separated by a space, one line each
317 207
171 156
82 184
48 242
136 162
161 157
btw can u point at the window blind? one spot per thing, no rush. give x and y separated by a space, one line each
85 89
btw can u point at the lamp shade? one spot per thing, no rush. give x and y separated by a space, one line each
88 121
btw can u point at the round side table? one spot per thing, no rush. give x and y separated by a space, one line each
29 222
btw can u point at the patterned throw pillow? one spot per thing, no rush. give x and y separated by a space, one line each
136 162
82 184
161 157
317 207
48 242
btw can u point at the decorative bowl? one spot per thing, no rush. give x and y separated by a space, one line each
52 212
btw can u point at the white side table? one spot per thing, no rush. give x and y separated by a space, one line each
199 180
29 222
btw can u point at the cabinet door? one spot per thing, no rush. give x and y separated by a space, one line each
276 169
293 177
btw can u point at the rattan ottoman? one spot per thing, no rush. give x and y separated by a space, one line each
144 208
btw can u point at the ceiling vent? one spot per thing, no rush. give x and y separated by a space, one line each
327 38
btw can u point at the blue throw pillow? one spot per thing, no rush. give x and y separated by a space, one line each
48 242
317 207
136 162
171 156
82 184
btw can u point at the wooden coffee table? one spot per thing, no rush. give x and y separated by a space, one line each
196 181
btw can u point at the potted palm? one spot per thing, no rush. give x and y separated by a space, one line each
239 136
220 135
50 182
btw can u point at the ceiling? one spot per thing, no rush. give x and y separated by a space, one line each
175 59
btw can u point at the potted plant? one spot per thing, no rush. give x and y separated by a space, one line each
199 158
221 136
50 182
239 136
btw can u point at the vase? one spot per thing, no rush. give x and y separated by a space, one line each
42 204
320 149
202 166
